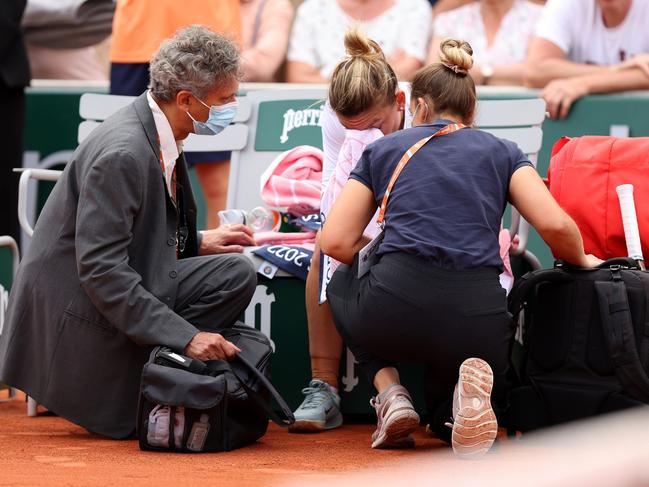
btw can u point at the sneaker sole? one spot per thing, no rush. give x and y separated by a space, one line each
475 429
397 428
315 426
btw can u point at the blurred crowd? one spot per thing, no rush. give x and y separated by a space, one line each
567 48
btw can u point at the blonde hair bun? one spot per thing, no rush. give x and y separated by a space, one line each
358 44
456 55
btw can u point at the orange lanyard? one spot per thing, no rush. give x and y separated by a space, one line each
447 129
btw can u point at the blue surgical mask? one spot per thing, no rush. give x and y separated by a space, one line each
219 117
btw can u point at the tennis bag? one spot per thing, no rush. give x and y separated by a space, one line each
192 406
583 175
582 347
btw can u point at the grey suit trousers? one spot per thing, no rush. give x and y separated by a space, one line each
214 290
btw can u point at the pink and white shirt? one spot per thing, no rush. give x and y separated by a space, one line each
512 39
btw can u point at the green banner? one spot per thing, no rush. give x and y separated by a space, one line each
282 125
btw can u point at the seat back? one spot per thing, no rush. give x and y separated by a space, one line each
518 120
94 108
278 120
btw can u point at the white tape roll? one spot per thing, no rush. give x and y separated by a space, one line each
629 221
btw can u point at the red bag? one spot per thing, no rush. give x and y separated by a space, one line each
583 175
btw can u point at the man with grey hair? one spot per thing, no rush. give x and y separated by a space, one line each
116 265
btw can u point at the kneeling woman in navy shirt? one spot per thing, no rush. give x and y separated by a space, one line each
433 296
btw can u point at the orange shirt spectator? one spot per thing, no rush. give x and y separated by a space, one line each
140 25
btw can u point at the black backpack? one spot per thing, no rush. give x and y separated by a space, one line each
582 345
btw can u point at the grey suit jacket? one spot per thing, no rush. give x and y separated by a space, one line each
96 289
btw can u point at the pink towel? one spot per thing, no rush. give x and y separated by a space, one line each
264 238
507 276
350 152
294 180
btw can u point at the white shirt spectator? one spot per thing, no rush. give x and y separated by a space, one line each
511 42
577 27
318 33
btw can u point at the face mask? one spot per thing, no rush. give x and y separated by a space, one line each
219 117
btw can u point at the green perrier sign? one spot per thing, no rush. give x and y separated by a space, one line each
282 125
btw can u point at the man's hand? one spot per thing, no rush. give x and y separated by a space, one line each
226 238
211 346
560 94
641 61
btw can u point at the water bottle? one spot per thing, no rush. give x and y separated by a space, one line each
262 219
258 219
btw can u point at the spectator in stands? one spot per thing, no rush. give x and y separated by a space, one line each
401 27
440 6
113 268
265 29
65 40
589 46
499 32
440 245
138 29
363 96
14 76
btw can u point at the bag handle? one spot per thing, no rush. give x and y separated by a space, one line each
527 283
617 326
530 280
286 417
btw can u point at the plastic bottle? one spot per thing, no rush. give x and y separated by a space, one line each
263 220
198 434
258 219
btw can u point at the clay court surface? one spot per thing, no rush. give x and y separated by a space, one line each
48 450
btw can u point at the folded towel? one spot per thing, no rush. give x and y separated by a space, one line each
294 180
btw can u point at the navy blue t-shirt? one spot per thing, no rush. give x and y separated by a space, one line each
449 200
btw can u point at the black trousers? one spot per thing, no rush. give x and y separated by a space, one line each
12 126
407 310
214 290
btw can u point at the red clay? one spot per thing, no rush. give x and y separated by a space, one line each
48 450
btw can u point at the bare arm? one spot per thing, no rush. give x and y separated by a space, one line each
444 5
342 234
546 61
560 94
529 195
299 72
261 61
404 65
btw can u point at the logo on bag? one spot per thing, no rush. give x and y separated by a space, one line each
294 119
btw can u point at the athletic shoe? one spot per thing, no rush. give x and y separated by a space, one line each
396 419
320 409
474 422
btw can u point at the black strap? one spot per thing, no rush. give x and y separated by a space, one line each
617 326
561 273
527 283
644 339
286 417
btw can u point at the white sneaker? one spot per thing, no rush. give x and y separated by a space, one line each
319 411
396 419
474 422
